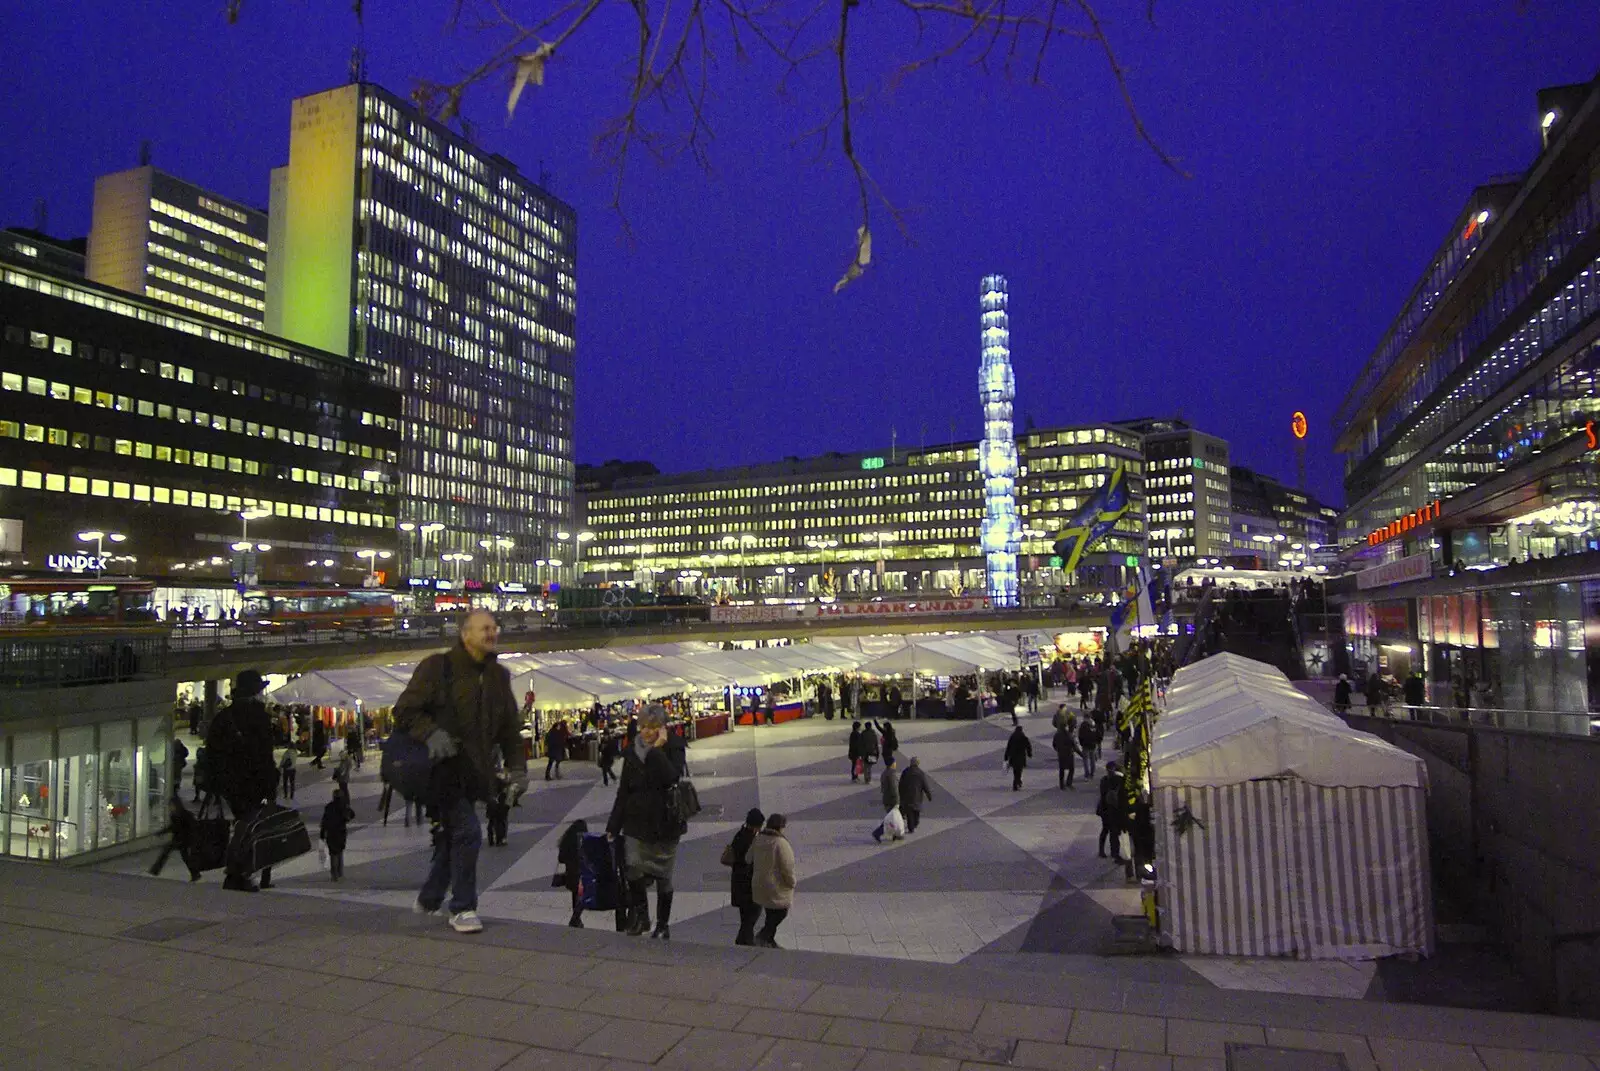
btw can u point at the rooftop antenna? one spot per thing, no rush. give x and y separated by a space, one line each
892 437
41 215
144 153
358 64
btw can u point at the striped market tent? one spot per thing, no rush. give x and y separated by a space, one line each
1283 834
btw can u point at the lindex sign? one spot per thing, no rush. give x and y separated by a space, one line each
76 563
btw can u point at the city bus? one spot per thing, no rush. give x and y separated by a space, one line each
305 609
77 603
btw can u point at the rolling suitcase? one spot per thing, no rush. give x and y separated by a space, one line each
597 872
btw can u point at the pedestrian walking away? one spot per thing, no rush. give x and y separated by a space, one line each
286 773
1019 749
1088 745
773 878
607 758
1065 743
869 750
642 816
889 787
497 816
1110 811
181 823
335 827
461 706
569 868
1341 695
737 856
855 751
555 749
241 769
913 791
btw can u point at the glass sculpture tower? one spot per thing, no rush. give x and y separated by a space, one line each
997 454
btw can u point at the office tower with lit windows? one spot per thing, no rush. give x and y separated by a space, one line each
399 242
168 239
997 454
1186 491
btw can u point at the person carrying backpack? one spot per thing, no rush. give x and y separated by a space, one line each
241 770
286 773
642 816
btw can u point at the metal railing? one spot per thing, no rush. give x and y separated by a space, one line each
60 661
1558 722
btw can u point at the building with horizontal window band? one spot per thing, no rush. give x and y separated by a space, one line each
854 524
1470 444
124 414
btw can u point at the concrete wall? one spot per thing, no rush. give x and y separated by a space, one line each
1515 831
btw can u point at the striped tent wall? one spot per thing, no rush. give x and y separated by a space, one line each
1286 868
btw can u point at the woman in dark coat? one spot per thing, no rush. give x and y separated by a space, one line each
869 749
743 873
855 749
1019 749
891 742
639 816
335 828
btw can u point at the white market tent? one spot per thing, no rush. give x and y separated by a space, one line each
374 686
1314 841
917 658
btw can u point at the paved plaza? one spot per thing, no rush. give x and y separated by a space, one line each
1008 879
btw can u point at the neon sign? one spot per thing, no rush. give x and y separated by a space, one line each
1402 525
872 462
1297 424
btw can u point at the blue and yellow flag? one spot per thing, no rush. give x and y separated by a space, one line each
1095 520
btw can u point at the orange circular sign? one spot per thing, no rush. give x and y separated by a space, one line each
1297 424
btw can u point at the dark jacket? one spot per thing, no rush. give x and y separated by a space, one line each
1341 693
1019 749
744 870
555 742
1088 734
641 807
239 754
869 743
891 742
677 749
335 825
569 855
855 743
889 785
1112 805
1065 745
473 703
914 788
608 752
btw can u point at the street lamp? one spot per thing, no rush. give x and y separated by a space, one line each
457 557
372 557
498 544
99 538
882 572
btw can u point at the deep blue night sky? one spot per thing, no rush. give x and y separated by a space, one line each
1330 147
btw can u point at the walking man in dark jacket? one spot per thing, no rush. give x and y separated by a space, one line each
1110 810
1065 743
1019 749
461 705
242 771
334 830
913 790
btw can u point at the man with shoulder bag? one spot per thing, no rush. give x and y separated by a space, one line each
241 769
460 706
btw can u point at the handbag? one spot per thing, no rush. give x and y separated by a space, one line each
208 848
729 857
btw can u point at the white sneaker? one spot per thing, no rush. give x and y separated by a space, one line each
417 908
466 922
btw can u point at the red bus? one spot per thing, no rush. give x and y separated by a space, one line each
317 608
72 603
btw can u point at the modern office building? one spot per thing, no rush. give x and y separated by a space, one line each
853 524
126 415
157 235
64 257
1279 525
397 241
1186 491
1471 447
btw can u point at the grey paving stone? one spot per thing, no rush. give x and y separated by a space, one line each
935 1010
1197 1063
632 1039
458 1052
1030 1021
165 929
553 995
1357 1054
1525 1060
1051 1057
1274 1058
31 1060
1114 1030
386 1044
1189 1037
481 984
896 1037
959 1045
552 1060
1410 1054
788 1054
854 1001
404 1004
1142 1061
509 1021
704 1049
801 1026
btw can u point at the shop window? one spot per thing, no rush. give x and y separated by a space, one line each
119 797
153 773
30 833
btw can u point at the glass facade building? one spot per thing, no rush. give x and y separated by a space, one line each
127 415
1470 435
398 242
1187 491
162 237
856 524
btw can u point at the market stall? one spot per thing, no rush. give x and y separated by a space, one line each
1282 832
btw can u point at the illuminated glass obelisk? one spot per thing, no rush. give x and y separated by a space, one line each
997 454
